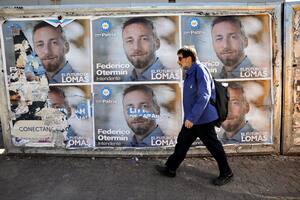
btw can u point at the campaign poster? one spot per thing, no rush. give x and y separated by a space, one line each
64 120
250 114
135 48
137 115
231 46
47 50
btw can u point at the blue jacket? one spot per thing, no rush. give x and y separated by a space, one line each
197 90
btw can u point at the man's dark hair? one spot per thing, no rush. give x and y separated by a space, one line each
60 92
145 89
237 86
43 24
233 20
57 90
140 20
187 52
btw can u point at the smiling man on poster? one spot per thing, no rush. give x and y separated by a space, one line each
236 124
141 110
51 46
229 42
140 42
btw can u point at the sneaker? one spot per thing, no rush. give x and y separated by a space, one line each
222 180
163 170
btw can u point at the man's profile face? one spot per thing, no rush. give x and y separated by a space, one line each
238 107
140 45
229 43
50 48
138 101
184 62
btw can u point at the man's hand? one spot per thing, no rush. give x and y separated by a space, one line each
188 124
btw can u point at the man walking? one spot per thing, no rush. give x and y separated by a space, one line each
199 117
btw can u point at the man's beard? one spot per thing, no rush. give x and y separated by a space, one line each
229 61
54 66
142 129
139 130
233 62
232 125
141 63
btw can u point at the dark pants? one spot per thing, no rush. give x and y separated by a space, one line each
207 133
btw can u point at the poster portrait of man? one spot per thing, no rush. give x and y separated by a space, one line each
137 115
57 51
65 120
75 103
231 46
249 114
135 48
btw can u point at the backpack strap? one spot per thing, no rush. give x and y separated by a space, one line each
211 100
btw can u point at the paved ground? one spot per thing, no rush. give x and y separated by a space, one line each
63 178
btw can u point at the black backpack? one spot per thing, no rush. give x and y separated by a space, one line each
221 102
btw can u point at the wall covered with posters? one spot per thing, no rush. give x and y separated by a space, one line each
112 81
291 123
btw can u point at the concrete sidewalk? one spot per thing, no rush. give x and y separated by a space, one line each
63 178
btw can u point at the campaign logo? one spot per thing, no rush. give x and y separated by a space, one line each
105 93
16 29
105 26
14 26
194 23
82 110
